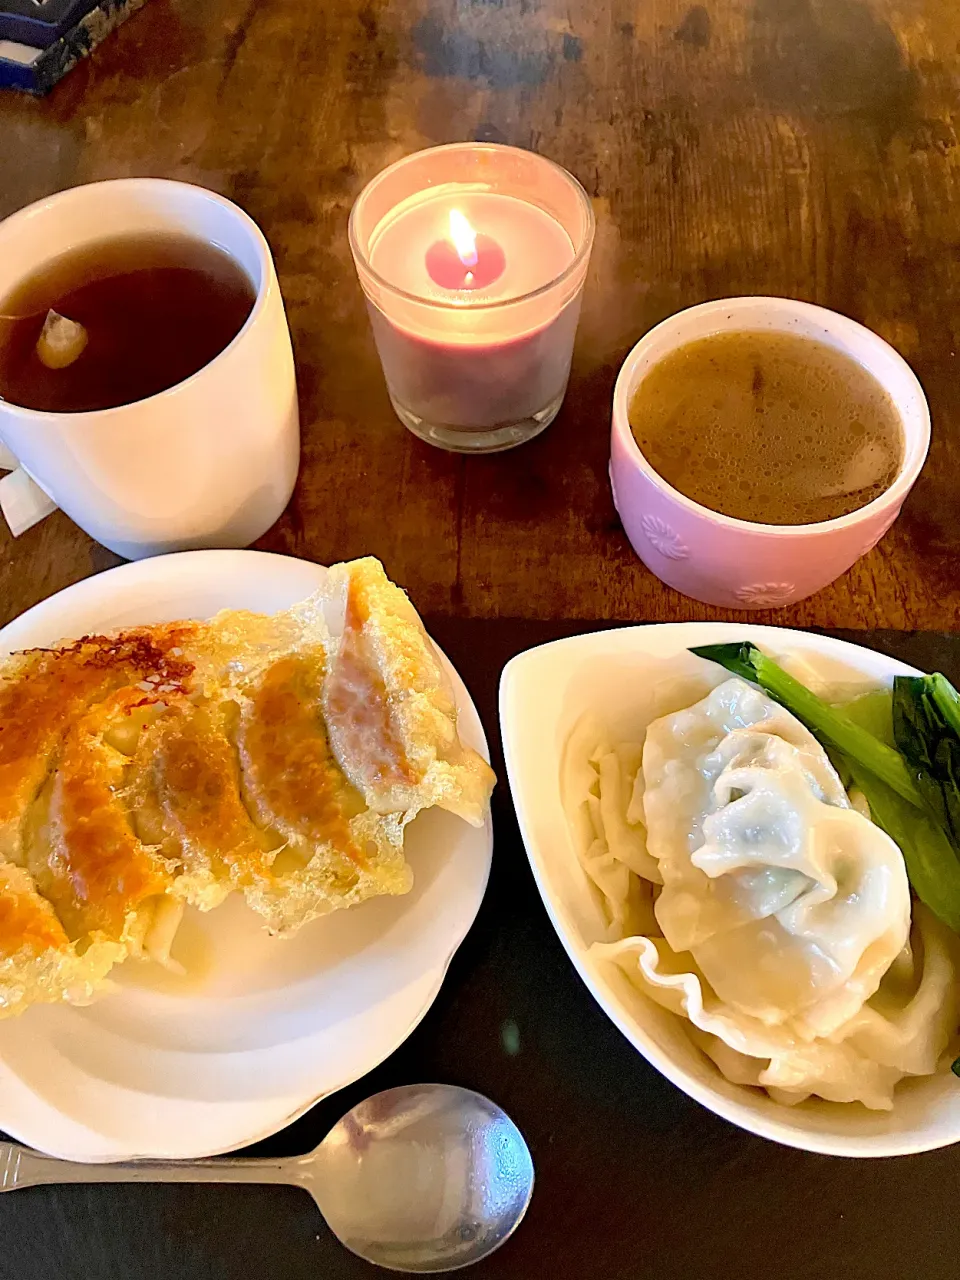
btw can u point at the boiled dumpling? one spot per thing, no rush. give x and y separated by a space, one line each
793 904
603 794
745 1050
902 1030
782 931
909 1021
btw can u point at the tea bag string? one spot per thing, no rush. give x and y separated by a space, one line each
31 315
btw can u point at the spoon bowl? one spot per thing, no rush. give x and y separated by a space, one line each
424 1178
420 1179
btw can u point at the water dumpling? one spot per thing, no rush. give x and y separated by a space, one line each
792 903
778 923
901 1030
389 707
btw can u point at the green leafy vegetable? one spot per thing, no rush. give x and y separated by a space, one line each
931 859
913 796
871 711
926 726
874 712
825 721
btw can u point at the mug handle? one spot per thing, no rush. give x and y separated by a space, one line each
22 501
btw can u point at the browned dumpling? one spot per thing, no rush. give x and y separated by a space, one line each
38 962
187 801
44 690
81 848
389 707
246 793
336 852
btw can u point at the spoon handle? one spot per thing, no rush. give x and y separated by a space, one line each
20 1167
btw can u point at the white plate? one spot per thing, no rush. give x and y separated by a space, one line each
620 675
262 1028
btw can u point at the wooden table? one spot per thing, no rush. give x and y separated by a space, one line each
799 147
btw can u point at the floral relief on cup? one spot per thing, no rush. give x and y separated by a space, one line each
664 539
766 595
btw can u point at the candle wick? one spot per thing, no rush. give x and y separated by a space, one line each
468 278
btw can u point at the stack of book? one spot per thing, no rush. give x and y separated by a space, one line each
41 40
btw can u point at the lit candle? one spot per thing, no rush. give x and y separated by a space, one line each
473 259
466 260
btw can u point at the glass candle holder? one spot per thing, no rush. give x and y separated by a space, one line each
472 258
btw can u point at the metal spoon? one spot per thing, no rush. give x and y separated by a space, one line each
424 1178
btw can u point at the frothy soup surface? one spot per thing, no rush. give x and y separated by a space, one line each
768 427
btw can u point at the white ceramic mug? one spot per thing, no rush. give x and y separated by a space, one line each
210 462
735 563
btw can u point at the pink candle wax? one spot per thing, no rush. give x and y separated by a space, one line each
468 359
454 268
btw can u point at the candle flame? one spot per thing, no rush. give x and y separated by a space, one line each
464 238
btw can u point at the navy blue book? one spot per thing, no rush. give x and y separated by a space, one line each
41 40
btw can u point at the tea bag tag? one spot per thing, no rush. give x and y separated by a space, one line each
22 501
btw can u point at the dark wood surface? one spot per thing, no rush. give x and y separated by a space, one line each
800 147
634 1180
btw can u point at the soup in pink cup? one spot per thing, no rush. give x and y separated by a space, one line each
739 564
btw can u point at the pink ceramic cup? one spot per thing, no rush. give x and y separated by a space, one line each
734 563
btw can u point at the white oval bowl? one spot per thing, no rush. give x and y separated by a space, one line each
616 674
